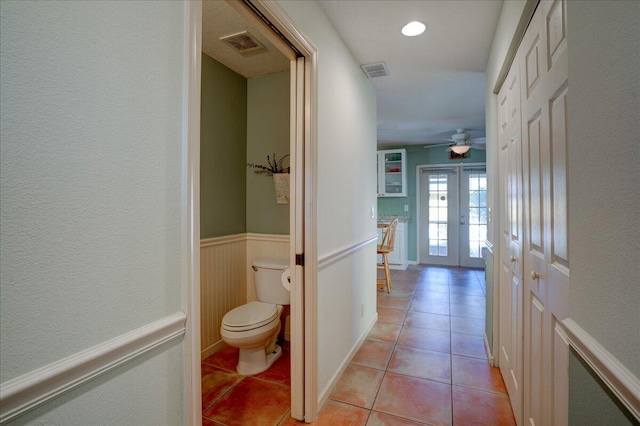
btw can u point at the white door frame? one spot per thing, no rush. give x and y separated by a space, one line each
304 147
419 168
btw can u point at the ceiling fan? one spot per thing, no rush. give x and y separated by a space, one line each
461 142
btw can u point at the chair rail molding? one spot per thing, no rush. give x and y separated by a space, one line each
622 382
32 389
343 252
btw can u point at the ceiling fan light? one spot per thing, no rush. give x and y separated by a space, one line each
413 29
460 149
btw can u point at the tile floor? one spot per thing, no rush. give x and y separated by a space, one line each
423 363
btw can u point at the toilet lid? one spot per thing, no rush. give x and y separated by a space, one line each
249 316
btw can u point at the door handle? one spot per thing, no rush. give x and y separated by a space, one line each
513 259
462 223
535 275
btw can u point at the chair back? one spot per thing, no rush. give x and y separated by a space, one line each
389 237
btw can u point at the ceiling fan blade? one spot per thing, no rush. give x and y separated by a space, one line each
436 145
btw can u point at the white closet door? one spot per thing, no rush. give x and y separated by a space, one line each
511 293
543 67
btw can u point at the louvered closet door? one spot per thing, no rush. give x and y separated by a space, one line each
542 58
510 305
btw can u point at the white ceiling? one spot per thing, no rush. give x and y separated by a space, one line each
220 20
437 79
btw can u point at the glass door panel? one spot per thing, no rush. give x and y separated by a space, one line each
438 210
473 218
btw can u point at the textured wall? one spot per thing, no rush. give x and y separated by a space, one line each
268 132
604 200
223 150
90 166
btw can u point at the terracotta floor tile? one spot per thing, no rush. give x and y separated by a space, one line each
427 320
226 358
358 386
467 311
476 373
397 291
382 419
335 413
416 399
280 371
420 363
436 287
468 345
384 332
401 283
441 308
373 354
473 291
206 422
467 299
474 407
391 315
431 296
215 383
473 326
422 338
394 302
251 402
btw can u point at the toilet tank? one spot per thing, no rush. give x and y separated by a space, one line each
268 281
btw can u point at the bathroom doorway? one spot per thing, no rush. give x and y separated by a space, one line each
301 64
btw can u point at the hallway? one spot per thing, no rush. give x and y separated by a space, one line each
423 363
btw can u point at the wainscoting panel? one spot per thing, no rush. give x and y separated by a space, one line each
223 285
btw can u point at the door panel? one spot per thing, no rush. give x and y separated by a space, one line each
546 258
511 288
439 217
473 216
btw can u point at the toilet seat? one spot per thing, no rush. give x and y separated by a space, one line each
250 316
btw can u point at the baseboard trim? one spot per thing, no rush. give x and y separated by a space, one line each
326 392
212 349
622 382
30 390
487 349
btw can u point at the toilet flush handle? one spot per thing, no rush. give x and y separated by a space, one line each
254 268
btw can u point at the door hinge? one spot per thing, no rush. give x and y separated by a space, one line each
300 259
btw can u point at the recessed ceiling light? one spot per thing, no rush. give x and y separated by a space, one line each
413 29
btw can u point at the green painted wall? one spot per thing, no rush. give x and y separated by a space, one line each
590 401
267 133
395 205
223 150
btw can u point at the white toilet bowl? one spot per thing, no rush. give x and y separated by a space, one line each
253 328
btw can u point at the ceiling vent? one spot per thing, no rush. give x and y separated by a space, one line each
243 42
379 69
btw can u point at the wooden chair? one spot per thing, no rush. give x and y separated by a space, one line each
386 247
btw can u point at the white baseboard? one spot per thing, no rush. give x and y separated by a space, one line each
413 262
487 349
622 382
212 349
30 390
326 392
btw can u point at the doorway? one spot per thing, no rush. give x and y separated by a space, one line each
274 25
453 214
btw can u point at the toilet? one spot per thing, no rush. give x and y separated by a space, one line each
254 327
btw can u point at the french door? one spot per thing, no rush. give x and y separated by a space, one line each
453 215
